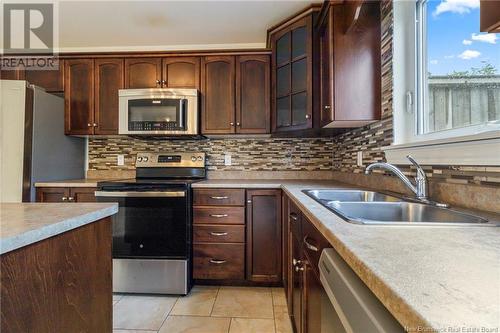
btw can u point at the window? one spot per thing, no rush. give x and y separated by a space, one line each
446 75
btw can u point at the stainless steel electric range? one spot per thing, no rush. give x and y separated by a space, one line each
152 231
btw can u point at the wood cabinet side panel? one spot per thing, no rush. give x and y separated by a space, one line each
61 284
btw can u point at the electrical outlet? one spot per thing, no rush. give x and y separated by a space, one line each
359 156
120 160
227 159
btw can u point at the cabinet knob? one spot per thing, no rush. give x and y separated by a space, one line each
232 124
163 83
299 269
158 82
296 262
71 199
64 198
249 202
238 124
308 116
95 125
89 125
327 107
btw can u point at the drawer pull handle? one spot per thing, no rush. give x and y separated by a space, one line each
310 246
215 233
294 216
219 197
217 262
218 215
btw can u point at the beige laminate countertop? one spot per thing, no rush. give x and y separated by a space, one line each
70 183
441 278
22 224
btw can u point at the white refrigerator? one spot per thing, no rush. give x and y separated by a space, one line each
33 146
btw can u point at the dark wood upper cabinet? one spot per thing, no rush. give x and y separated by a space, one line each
51 81
109 78
252 94
264 235
14 74
350 64
218 95
489 16
142 73
79 96
326 73
292 75
181 72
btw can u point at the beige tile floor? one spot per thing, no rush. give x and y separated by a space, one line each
206 309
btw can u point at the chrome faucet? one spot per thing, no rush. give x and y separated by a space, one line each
420 187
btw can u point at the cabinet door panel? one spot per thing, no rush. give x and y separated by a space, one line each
51 81
292 73
296 283
218 95
83 194
264 235
11 75
252 94
181 72
142 73
109 79
79 96
312 300
52 194
326 70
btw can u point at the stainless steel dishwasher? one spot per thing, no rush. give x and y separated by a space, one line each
347 304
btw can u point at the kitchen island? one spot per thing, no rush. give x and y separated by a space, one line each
56 271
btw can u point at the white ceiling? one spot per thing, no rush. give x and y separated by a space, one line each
169 25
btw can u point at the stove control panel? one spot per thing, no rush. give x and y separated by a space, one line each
170 160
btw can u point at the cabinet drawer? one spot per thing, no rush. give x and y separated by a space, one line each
219 197
219 215
313 243
294 218
219 261
219 233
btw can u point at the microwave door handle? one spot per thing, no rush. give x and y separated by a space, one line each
182 107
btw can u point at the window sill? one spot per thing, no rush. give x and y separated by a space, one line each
478 149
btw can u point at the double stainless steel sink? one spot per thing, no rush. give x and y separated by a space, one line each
367 207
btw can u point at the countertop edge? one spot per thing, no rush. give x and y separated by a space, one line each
30 237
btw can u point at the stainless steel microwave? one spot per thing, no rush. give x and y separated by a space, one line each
158 111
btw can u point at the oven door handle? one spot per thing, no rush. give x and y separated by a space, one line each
137 194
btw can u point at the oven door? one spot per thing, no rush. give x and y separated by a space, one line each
150 225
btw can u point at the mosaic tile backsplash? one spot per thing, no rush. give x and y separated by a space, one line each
246 154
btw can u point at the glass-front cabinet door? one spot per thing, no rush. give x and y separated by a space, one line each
292 70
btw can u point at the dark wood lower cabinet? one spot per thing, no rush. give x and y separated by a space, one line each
296 283
60 284
312 299
83 194
52 194
234 242
264 235
219 261
65 194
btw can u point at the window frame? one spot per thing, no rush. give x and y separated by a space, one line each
452 146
